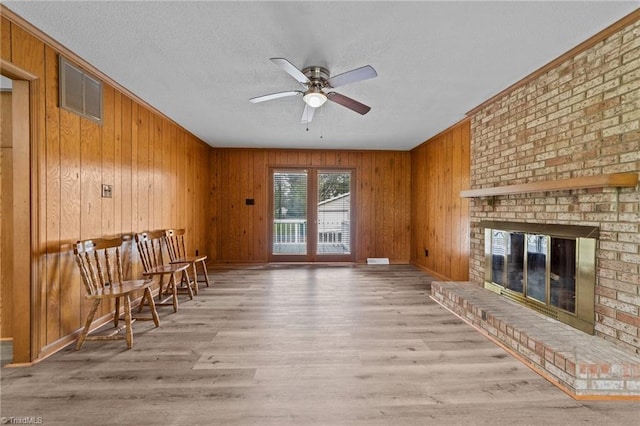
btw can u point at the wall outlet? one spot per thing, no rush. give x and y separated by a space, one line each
107 191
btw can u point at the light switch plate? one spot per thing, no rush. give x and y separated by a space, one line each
107 191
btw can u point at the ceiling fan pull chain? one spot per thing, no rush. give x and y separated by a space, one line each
321 120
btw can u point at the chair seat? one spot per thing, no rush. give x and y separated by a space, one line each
119 290
190 259
167 269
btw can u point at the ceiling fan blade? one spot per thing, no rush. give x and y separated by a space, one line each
275 96
359 74
307 114
291 69
347 102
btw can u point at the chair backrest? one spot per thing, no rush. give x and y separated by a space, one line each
174 239
99 262
150 249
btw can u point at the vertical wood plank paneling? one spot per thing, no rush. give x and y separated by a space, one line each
260 209
439 217
190 154
173 172
157 164
464 241
90 191
108 160
53 209
6 216
366 208
117 161
125 169
167 177
213 205
448 201
70 168
181 181
143 159
5 39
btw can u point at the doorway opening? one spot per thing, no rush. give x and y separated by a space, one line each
19 204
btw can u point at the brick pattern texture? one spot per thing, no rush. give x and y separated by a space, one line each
581 118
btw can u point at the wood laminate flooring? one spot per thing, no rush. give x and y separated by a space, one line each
300 345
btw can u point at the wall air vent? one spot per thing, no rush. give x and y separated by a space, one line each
80 92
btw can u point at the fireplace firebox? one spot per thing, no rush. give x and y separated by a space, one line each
548 268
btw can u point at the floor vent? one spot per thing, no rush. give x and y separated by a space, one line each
377 261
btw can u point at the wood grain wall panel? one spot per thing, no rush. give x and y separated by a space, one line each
160 174
117 160
53 201
5 39
108 153
142 160
125 187
240 232
70 168
6 217
212 245
439 217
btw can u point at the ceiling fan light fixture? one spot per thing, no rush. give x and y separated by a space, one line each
314 98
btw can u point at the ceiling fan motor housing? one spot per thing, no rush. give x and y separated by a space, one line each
318 76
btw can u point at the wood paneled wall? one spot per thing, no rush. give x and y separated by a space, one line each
439 217
6 216
159 172
382 200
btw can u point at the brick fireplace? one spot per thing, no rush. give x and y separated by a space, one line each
575 120
580 117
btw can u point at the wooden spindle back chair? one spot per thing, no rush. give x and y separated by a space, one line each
153 261
177 253
100 265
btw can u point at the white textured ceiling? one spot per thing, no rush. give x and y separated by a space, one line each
200 62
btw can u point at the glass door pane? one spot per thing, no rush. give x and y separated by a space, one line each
537 267
334 213
515 262
563 274
498 254
290 212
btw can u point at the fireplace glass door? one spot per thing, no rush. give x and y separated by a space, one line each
546 267
538 267
563 274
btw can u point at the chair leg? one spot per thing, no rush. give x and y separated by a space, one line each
195 278
116 313
127 320
160 285
191 290
87 324
152 306
174 284
185 283
206 275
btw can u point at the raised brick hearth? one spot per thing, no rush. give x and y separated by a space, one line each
584 366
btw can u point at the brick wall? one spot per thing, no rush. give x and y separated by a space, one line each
580 118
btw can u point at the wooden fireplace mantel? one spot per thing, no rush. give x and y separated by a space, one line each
617 180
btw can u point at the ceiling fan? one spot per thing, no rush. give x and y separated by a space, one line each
314 79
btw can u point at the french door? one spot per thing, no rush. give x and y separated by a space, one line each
311 215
